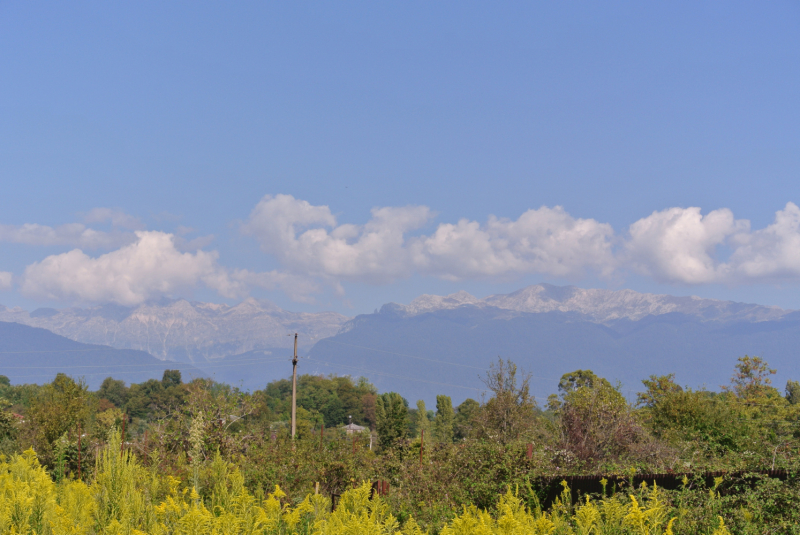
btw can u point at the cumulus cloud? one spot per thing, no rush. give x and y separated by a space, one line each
151 267
314 250
298 234
5 280
674 246
547 241
148 268
307 239
771 254
680 244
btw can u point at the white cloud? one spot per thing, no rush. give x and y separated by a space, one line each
297 234
306 239
152 267
675 246
680 244
149 268
5 280
546 241
770 254
71 234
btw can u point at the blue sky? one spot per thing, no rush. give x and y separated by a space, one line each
376 128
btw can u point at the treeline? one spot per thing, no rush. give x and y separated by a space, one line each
472 452
589 421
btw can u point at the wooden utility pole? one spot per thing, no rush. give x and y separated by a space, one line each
294 388
122 438
79 452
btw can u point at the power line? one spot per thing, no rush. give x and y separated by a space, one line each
427 359
65 351
334 365
69 367
152 369
45 374
385 374
410 356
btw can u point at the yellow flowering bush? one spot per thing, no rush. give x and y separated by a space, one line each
125 498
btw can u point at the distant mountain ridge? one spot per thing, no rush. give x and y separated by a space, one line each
446 351
598 304
181 330
439 344
34 355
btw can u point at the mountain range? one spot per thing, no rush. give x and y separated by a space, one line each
181 330
442 344
597 304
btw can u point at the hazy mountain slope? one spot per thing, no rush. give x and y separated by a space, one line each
182 330
33 355
547 344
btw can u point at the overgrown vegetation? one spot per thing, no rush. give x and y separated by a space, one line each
202 457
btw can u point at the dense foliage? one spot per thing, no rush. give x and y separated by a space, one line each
171 457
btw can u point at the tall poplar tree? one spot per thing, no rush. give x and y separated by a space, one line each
391 413
443 423
422 421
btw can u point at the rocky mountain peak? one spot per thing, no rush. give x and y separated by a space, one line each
600 305
426 302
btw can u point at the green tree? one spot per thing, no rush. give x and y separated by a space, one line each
59 407
657 386
20 396
511 412
146 399
392 418
596 422
793 392
443 423
751 379
578 379
421 421
8 423
712 420
114 391
571 382
463 421
335 398
152 399
171 378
